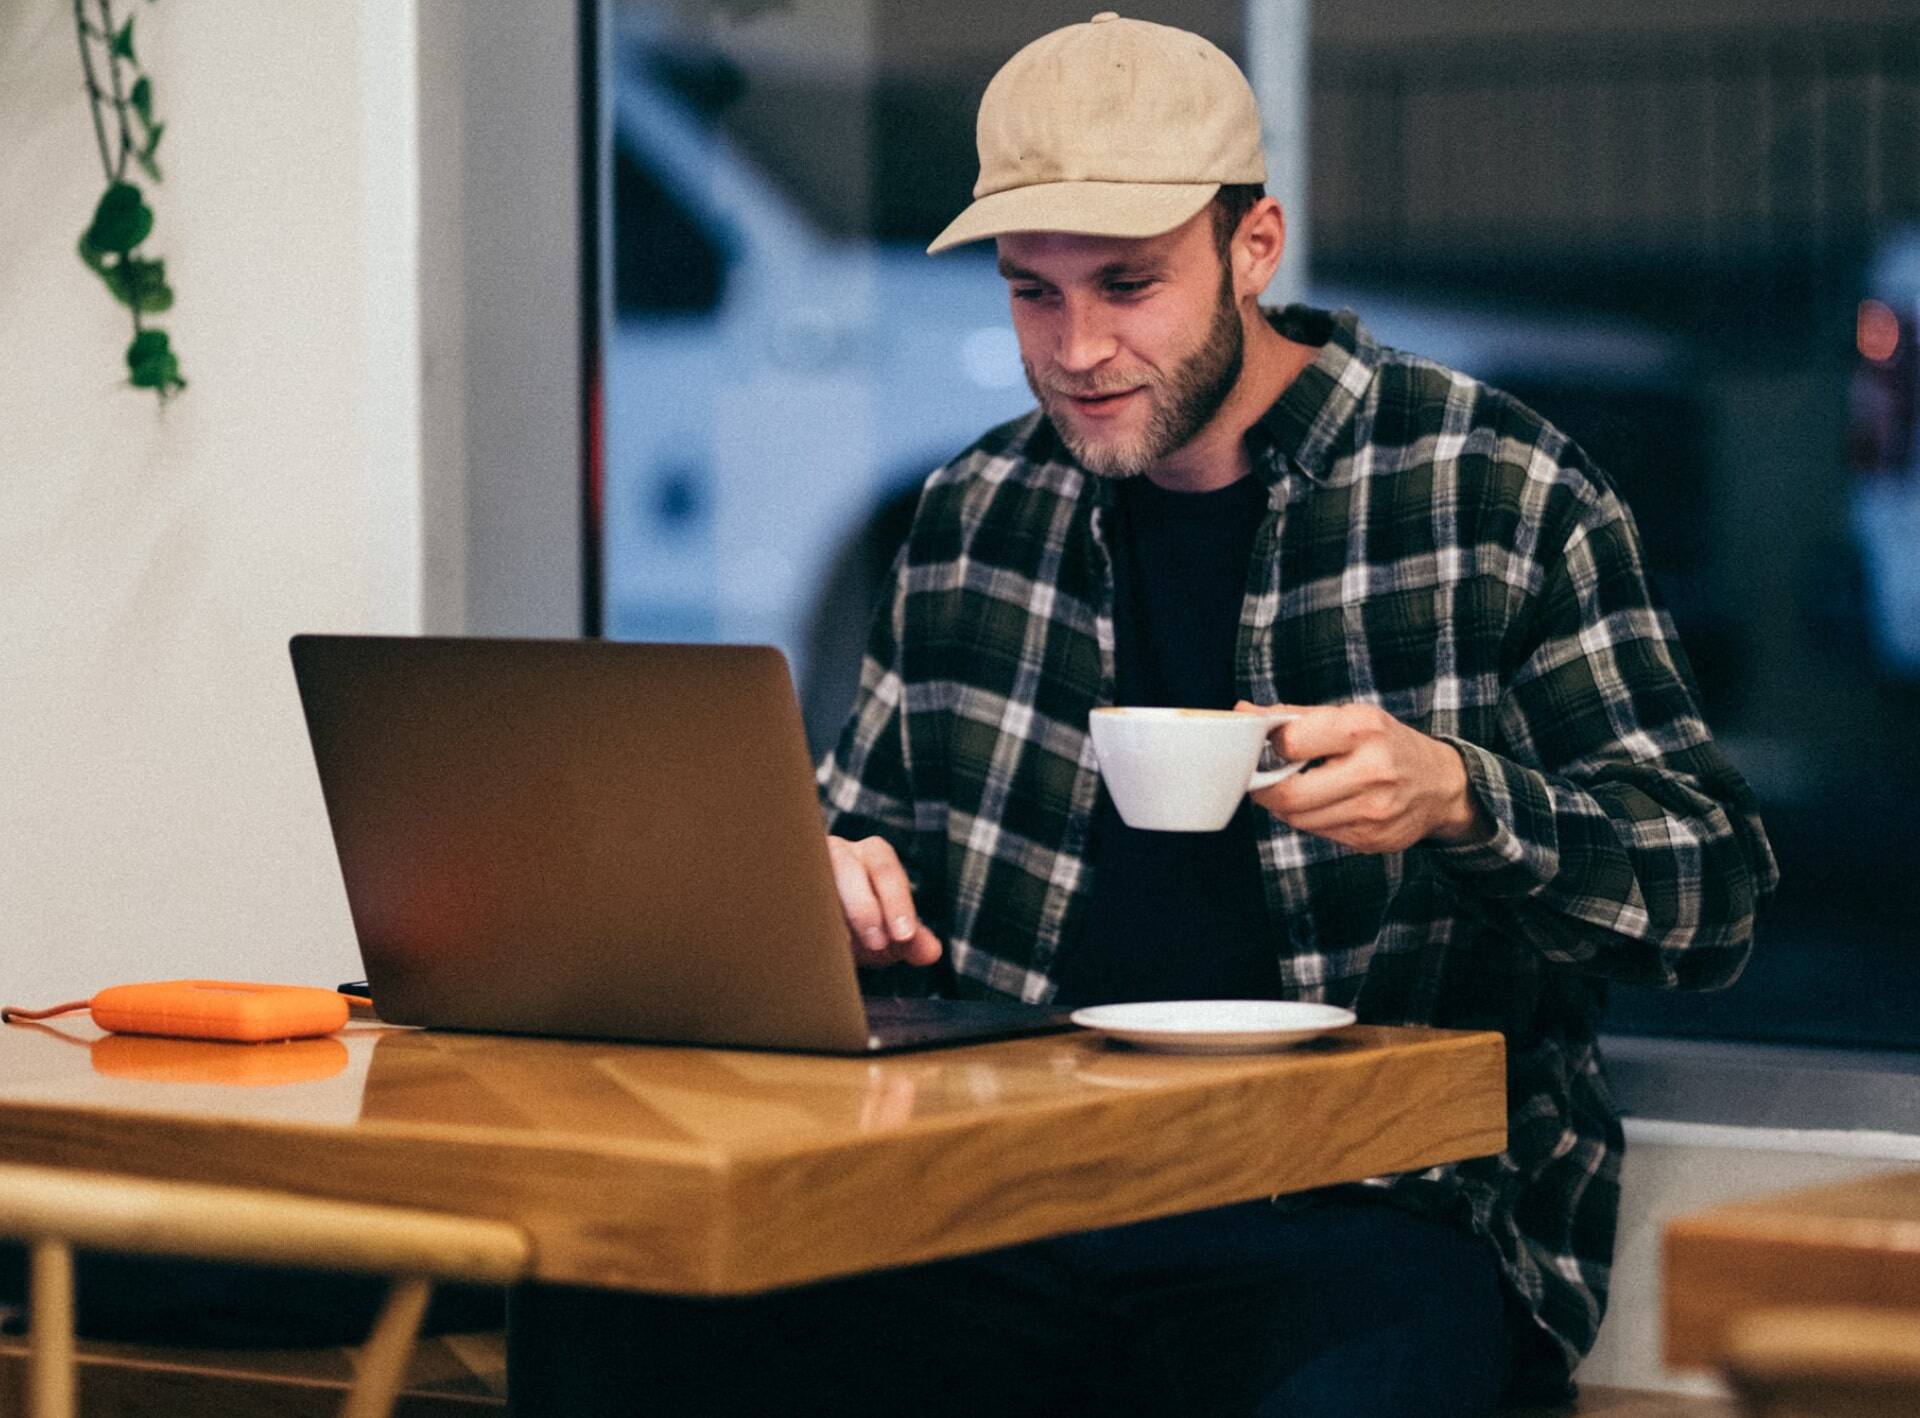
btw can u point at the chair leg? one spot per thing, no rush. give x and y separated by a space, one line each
383 1358
50 1365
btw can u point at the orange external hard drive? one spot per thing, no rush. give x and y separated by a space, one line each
220 1009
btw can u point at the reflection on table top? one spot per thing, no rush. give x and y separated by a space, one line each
719 1170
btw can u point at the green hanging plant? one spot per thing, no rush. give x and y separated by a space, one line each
122 221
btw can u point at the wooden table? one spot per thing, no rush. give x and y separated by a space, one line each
1848 1243
699 1171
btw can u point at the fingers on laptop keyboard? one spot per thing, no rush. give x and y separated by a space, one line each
877 900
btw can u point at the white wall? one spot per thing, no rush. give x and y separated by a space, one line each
158 810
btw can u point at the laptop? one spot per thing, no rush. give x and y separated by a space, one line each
594 839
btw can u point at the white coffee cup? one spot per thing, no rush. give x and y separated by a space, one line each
1182 770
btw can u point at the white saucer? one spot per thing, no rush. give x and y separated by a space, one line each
1213 1026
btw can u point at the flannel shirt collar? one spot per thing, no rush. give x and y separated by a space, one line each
1305 423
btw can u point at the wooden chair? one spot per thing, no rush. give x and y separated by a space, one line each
1825 1362
54 1211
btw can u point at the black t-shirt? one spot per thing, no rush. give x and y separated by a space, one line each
1175 915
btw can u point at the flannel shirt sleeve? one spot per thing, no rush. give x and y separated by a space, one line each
865 782
1624 844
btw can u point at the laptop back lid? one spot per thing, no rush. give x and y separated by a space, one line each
582 838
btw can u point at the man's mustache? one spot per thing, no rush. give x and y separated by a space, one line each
1093 390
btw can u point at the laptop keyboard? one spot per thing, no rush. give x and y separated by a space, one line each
903 1023
886 1009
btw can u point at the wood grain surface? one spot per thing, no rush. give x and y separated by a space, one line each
1849 1243
704 1171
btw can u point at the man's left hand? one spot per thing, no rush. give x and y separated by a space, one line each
1375 784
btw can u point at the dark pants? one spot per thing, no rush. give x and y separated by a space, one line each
1344 1308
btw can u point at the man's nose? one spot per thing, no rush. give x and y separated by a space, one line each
1086 338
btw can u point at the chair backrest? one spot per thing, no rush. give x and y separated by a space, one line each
55 1210
1825 1362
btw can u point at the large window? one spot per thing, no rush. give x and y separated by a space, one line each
1744 198
1694 250
784 364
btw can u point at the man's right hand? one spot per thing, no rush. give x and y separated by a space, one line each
877 900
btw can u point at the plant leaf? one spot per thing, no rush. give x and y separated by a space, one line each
145 156
112 273
95 258
142 99
142 284
116 278
123 42
121 221
152 364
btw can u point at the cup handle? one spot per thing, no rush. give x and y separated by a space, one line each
1266 778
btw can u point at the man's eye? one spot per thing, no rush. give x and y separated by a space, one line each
1128 287
1028 292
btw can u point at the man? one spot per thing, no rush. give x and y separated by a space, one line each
1514 798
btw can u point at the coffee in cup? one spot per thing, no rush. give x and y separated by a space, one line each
1182 770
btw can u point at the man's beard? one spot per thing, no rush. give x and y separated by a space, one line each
1183 401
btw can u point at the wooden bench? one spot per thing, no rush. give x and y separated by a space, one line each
450 1376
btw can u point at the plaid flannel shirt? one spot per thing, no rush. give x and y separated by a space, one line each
1433 547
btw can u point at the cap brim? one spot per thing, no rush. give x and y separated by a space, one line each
1130 209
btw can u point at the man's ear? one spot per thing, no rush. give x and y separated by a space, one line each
1256 247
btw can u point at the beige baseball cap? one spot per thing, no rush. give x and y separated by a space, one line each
1111 128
